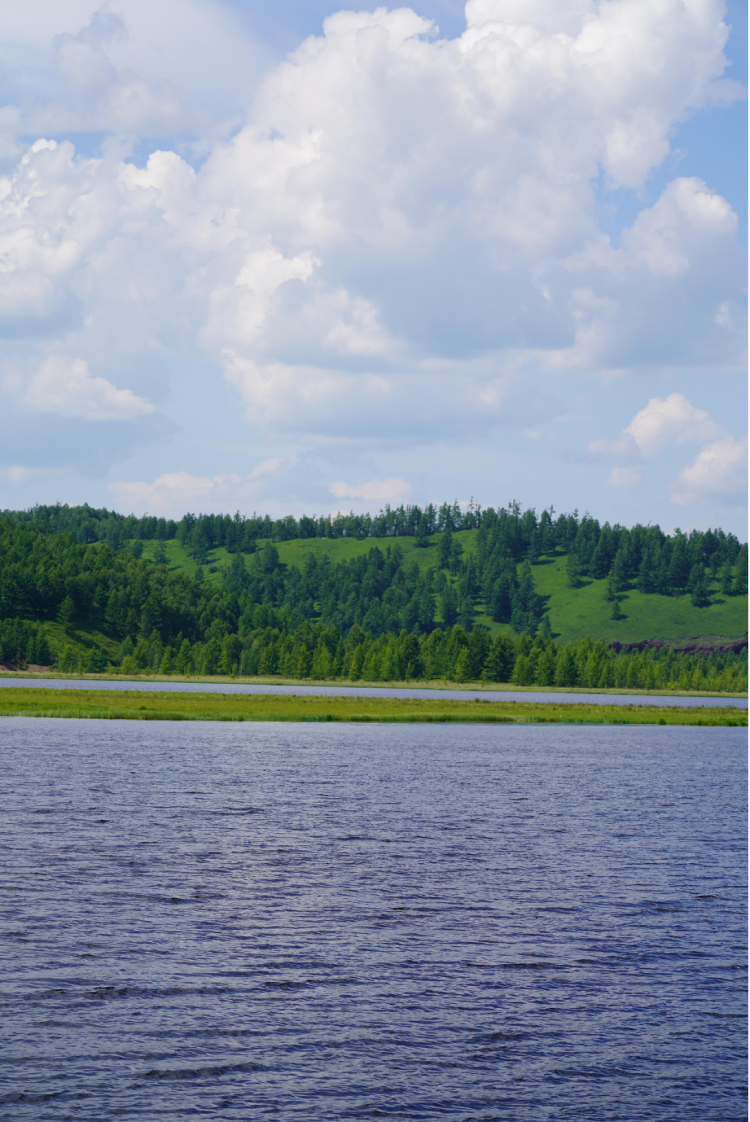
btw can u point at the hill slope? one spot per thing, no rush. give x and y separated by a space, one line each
573 613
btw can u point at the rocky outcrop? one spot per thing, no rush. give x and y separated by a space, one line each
699 647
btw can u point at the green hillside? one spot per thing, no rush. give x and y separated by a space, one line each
294 552
383 609
573 613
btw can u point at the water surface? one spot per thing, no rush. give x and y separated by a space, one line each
354 922
334 690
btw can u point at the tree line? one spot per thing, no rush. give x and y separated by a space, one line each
375 617
312 652
642 556
238 533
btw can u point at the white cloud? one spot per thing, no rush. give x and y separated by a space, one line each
719 471
663 422
396 200
273 467
376 490
67 387
670 420
623 449
625 476
673 294
177 490
147 69
17 474
398 229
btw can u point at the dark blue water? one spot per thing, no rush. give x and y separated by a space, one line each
229 686
277 921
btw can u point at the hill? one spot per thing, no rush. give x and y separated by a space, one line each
545 601
573 612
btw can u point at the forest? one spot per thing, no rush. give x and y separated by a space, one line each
374 617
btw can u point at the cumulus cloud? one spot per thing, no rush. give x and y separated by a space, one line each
673 293
67 387
719 471
177 490
669 420
375 490
664 421
400 235
154 70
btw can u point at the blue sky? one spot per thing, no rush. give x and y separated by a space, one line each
290 258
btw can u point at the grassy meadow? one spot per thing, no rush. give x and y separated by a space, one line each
136 705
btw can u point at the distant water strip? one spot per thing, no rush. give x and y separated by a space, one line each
372 691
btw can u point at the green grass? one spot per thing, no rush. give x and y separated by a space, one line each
295 552
574 613
475 687
80 638
135 705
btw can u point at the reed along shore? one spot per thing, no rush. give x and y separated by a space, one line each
137 705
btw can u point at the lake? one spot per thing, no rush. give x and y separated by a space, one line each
321 922
224 685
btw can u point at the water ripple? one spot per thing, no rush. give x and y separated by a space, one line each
353 922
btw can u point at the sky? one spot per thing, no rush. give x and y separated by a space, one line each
293 259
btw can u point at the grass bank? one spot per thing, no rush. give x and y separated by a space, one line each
139 706
475 687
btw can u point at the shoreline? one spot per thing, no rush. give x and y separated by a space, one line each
419 683
139 706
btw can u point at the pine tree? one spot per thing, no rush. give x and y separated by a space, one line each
456 554
646 573
700 597
358 661
462 672
679 565
498 666
725 579
446 546
522 672
479 648
617 612
67 612
184 660
545 671
322 666
448 606
466 611
573 571
739 588
501 603
566 673
620 570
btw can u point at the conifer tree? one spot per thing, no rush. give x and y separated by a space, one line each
448 606
446 546
67 612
